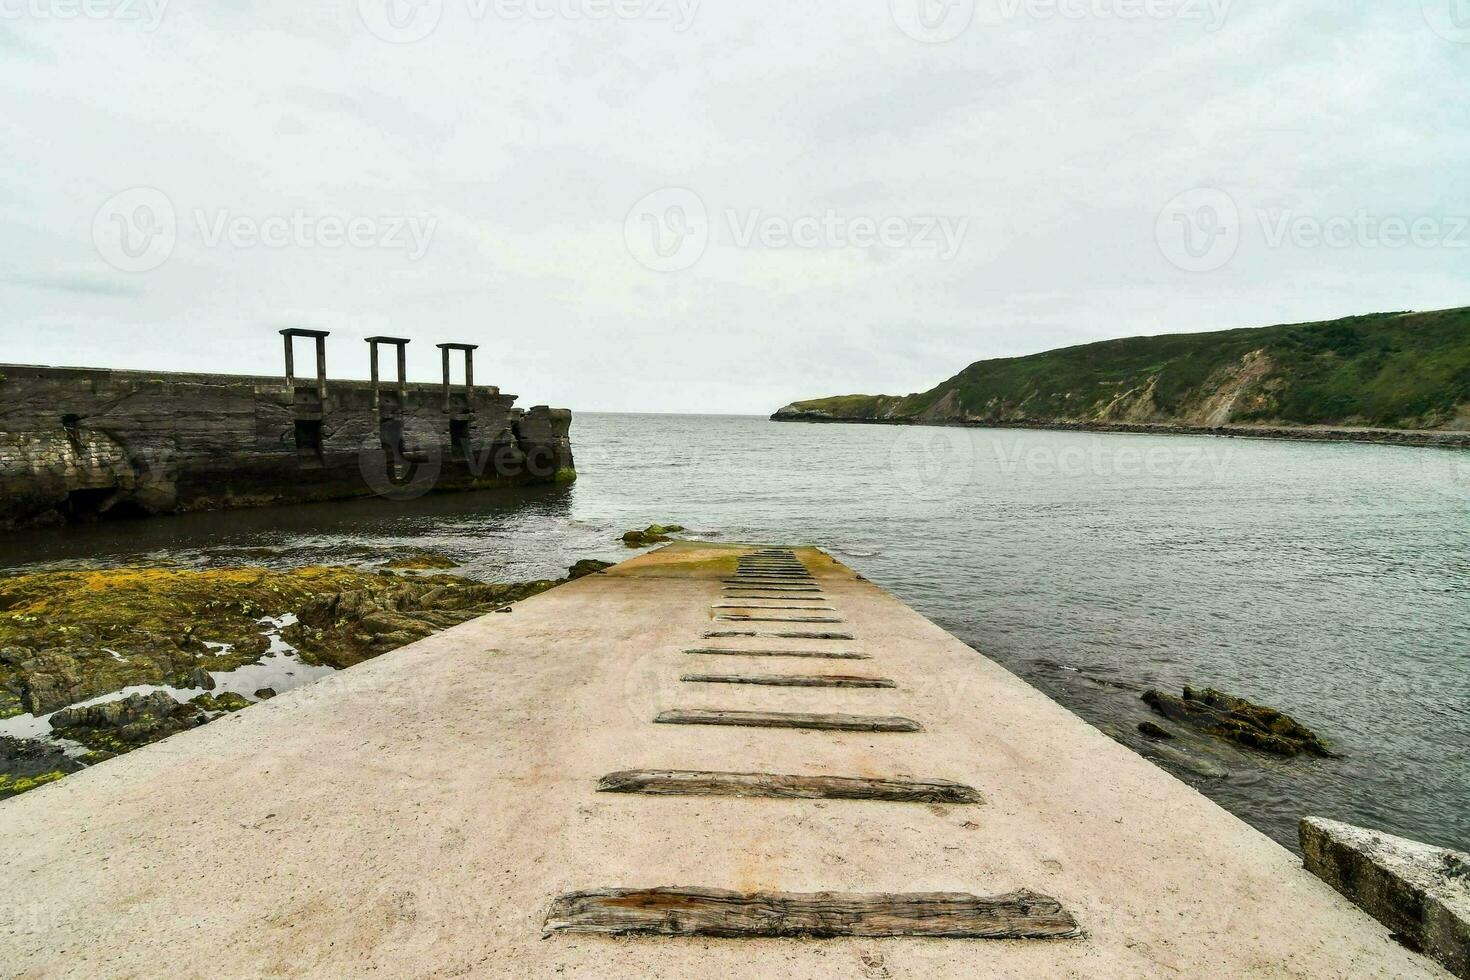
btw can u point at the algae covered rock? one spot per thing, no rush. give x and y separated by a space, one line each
118 726
230 701
72 636
377 615
651 535
587 566
265 693
1238 720
69 637
27 763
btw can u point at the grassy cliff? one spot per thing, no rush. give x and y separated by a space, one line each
1385 370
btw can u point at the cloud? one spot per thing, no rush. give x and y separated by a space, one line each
527 141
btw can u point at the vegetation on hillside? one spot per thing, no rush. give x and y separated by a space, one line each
1393 370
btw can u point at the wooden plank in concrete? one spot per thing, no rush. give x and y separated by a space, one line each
730 618
748 605
676 782
790 680
812 654
788 719
813 915
778 634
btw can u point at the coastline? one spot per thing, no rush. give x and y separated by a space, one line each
529 711
1451 439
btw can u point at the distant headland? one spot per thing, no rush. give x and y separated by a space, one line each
1385 377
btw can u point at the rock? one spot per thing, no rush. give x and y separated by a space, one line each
118 726
230 701
1173 758
116 714
15 656
199 677
206 702
1420 892
27 763
587 566
1154 731
265 693
653 534
1238 720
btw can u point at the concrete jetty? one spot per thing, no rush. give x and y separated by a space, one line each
510 798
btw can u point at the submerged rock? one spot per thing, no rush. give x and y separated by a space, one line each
587 566
653 534
1238 720
1151 730
265 693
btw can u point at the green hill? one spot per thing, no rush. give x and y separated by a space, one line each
1385 370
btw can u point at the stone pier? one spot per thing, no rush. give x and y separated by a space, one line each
709 761
79 444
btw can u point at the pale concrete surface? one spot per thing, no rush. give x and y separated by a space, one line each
415 816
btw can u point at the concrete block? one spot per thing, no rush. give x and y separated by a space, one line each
1420 892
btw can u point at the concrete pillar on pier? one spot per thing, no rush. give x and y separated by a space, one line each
401 344
469 367
320 336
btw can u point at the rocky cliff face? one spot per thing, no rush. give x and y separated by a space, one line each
1393 372
79 444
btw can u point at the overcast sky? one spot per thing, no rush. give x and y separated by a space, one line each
669 205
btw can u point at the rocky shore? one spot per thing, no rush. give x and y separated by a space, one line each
1299 433
169 641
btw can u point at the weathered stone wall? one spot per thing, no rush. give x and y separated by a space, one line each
78 444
